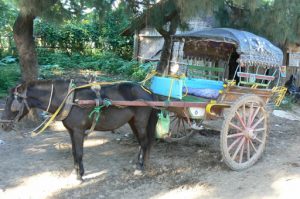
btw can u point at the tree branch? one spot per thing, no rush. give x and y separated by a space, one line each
162 31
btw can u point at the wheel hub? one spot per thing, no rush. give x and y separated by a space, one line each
249 133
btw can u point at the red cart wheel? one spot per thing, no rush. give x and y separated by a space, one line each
179 129
244 132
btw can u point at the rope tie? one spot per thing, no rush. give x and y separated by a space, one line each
97 110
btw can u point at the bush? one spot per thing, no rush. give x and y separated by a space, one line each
63 60
9 77
54 63
50 71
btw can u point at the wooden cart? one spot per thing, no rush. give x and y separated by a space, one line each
221 73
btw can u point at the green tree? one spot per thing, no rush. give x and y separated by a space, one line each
277 20
168 15
54 10
115 21
23 34
8 14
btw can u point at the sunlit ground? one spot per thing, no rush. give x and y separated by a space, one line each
43 185
194 192
48 184
286 187
276 183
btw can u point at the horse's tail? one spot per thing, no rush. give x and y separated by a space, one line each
152 125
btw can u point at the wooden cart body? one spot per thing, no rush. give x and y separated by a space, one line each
251 67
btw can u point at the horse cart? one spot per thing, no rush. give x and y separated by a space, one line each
220 73
214 74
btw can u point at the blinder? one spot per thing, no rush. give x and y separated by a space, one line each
17 105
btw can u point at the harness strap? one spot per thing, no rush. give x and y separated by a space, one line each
68 103
33 133
96 112
50 99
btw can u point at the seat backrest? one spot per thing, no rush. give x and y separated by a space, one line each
255 76
206 72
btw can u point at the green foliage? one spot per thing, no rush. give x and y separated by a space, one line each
51 71
8 14
9 76
55 64
278 20
71 36
64 60
87 34
115 22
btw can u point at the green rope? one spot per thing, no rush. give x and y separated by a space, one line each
97 110
167 103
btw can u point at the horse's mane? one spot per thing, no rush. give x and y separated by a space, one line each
56 82
45 82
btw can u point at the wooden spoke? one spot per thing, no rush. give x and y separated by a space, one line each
238 148
234 143
258 122
254 115
179 129
235 126
173 120
260 129
183 124
172 128
253 145
242 152
250 114
240 119
235 135
248 149
258 140
244 114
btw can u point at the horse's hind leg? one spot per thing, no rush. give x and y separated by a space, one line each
77 138
139 129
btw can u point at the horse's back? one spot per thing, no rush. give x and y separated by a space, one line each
126 91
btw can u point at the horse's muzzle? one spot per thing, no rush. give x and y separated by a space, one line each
7 125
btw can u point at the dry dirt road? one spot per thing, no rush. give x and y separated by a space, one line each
39 167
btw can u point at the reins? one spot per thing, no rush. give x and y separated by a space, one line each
50 99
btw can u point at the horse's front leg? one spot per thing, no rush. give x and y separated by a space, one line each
77 138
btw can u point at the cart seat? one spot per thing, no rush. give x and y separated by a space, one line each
251 79
177 88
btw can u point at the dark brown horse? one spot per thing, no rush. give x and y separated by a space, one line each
37 94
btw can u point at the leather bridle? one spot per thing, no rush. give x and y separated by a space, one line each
19 106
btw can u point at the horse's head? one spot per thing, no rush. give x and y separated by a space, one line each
16 107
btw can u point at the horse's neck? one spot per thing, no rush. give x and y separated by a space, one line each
45 98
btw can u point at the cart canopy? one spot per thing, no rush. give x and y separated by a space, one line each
220 43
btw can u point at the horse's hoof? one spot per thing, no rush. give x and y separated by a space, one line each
138 172
79 179
74 179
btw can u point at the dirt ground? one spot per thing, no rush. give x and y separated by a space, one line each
38 167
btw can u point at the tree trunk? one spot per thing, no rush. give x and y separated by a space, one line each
162 66
23 36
